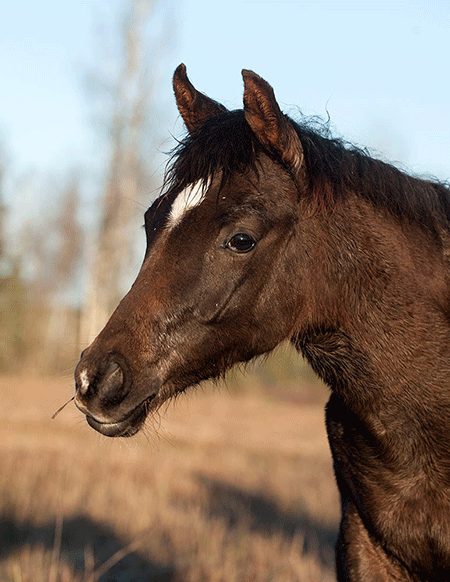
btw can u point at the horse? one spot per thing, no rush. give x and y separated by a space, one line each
270 229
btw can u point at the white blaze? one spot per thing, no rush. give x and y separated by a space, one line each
84 382
191 196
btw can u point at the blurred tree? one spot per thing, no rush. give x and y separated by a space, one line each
12 291
42 270
52 244
62 325
2 206
69 234
127 176
13 302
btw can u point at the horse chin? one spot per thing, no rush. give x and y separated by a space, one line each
126 427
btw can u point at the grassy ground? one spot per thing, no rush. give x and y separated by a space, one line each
221 487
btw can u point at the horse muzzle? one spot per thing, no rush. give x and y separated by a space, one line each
104 394
126 427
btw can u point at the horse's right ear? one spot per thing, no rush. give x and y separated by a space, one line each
194 107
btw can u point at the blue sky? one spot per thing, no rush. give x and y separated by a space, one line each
381 70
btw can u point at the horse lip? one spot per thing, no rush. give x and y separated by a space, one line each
126 427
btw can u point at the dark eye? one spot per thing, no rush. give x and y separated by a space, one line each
241 243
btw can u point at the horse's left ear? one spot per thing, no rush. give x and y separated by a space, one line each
272 128
195 107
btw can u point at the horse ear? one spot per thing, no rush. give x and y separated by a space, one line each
194 107
272 128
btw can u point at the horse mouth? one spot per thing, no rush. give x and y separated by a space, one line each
126 427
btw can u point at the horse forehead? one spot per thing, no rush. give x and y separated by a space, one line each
240 189
194 194
190 197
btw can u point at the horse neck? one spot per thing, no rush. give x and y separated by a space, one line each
379 325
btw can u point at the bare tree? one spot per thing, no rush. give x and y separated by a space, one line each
123 186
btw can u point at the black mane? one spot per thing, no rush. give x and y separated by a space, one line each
226 143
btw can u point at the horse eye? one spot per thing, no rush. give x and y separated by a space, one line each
241 243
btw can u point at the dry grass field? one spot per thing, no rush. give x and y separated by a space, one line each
221 487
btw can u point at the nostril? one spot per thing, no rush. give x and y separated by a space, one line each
113 378
99 385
